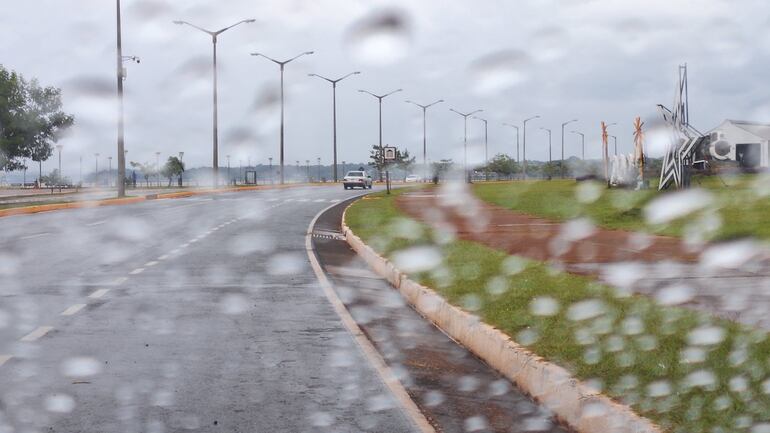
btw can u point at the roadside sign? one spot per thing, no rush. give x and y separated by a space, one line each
389 153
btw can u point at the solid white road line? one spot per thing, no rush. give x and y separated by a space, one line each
367 348
136 271
39 235
98 294
319 200
72 310
4 359
98 223
36 334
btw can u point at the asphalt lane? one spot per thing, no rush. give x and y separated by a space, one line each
198 314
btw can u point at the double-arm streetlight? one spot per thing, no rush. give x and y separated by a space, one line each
424 133
486 147
282 65
550 155
334 111
215 134
465 137
615 141
562 144
524 144
582 144
379 99
517 138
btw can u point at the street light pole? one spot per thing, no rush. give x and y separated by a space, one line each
270 169
615 140
229 178
282 64
319 169
59 147
96 177
517 139
157 167
215 132
181 175
109 172
425 134
334 112
550 156
307 169
380 98
524 145
465 139
562 144
583 143
486 148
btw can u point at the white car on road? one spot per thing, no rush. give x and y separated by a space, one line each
357 179
413 178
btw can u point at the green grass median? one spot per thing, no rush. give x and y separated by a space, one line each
685 370
741 205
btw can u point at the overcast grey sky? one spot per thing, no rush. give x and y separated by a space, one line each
588 59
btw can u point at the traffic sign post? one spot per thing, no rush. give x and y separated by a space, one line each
389 154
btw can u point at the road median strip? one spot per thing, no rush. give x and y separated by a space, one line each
603 361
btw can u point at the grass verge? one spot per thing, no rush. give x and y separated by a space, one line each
687 371
737 210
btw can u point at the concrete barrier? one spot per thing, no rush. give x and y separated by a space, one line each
573 402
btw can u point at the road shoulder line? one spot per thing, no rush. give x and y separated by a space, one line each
398 391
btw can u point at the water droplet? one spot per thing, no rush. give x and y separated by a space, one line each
499 71
234 304
81 367
381 38
659 388
675 205
706 336
433 398
475 423
544 306
676 294
417 259
585 310
59 403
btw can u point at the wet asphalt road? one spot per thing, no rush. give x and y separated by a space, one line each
197 314
456 391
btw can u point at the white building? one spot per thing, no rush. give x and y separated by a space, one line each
748 143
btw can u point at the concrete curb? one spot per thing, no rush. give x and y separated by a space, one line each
575 403
28 210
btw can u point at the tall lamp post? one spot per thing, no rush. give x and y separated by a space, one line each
270 169
59 148
379 99
319 168
121 75
282 64
215 133
465 138
582 145
524 144
424 133
550 155
334 112
562 145
229 178
615 141
486 148
109 171
181 175
296 171
517 139
96 177
307 169
157 167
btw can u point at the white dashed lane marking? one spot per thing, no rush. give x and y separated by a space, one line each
163 257
4 359
150 264
98 294
97 223
37 334
137 271
120 281
73 310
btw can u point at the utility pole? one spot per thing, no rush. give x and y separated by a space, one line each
334 112
486 148
465 140
524 145
109 172
215 135
517 140
282 64
583 144
424 134
307 169
562 144
380 98
550 156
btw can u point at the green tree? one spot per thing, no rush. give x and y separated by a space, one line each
147 170
31 120
173 167
403 160
503 165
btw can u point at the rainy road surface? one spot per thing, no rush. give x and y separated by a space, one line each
203 314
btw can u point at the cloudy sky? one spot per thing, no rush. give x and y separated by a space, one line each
592 60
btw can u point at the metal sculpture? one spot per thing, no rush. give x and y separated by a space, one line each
685 139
